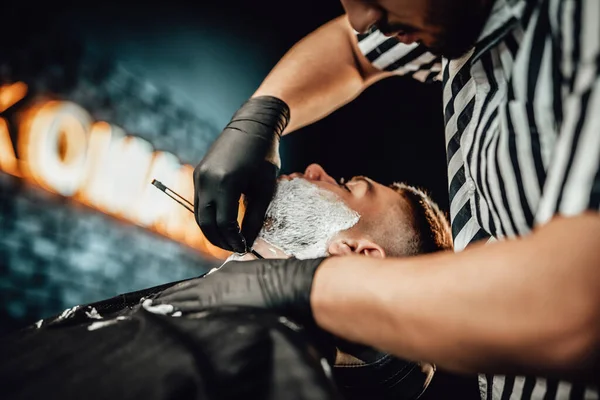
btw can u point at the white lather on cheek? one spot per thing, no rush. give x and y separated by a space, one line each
303 218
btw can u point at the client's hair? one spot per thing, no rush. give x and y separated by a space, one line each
431 229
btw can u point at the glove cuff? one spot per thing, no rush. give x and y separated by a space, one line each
302 276
304 273
269 111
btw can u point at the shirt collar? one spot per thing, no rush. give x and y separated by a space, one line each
504 16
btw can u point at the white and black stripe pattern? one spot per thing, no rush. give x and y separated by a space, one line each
391 55
518 388
459 95
522 115
573 183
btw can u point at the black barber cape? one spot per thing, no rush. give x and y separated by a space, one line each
118 349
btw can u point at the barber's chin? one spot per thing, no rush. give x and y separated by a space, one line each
451 47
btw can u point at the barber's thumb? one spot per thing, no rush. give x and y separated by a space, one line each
254 217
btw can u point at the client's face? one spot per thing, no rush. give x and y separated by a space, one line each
309 210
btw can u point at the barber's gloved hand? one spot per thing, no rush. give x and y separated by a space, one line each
281 285
243 160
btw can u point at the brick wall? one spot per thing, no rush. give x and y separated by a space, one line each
55 252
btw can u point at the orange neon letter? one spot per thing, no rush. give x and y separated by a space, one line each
53 145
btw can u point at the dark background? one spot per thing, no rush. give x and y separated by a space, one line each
213 55
206 59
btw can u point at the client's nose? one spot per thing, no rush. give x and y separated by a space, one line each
315 172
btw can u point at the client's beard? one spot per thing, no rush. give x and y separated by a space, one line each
302 219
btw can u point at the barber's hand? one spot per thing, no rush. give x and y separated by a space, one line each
243 160
281 285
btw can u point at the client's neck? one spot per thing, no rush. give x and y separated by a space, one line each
264 248
267 250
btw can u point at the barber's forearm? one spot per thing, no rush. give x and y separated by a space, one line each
527 306
319 74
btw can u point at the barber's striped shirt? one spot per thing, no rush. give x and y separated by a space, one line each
522 114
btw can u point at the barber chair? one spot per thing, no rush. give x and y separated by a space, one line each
220 354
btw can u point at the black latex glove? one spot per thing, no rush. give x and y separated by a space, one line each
243 160
280 285
284 286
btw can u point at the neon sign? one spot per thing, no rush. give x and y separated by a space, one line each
63 150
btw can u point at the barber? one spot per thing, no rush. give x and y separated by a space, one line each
521 87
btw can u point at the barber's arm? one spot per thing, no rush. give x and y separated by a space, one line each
530 305
321 73
523 306
526 306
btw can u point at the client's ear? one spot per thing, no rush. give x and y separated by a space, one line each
348 246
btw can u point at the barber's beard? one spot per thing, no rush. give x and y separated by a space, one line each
303 218
462 22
